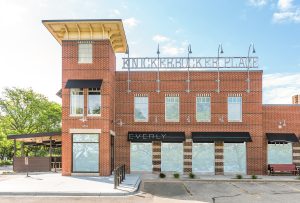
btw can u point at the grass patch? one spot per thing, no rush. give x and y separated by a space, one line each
162 175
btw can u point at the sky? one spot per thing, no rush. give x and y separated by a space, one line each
31 57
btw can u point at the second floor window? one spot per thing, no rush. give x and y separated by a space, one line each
203 113
76 102
141 109
235 109
172 109
85 53
94 101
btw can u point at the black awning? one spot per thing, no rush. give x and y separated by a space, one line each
229 137
281 137
156 136
83 83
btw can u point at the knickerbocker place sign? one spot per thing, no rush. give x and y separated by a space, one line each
190 62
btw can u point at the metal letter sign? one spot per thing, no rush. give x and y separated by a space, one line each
156 136
191 62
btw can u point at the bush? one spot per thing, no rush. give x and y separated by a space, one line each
176 175
162 175
4 163
253 176
192 176
239 176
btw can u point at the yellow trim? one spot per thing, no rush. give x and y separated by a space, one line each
89 30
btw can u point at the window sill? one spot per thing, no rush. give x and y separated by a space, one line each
140 121
172 121
76 115
235 121
94 115
207 121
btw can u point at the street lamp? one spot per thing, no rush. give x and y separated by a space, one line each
220 51
248 65
188 80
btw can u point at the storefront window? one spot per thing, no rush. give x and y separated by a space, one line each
172 109
141 157
172 157
203 157
94 101
280 153
235 158
141 109
77 102
85 152
234 109
203 109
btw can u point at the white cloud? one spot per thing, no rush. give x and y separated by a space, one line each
131 22
285 4
278 88
258 3
160 38
287 12
172 50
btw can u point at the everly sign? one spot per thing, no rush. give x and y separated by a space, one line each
190 62
146 136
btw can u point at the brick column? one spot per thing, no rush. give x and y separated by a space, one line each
296 153
156 156
187 156
219 158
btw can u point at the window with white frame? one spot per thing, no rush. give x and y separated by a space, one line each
235 109
94 101
141 109
172 109
85 53
203 112
76 101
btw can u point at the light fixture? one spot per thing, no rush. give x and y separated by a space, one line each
156 119
118 122
83 119
281 124
188 119
221 119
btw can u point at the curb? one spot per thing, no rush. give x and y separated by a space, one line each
137 186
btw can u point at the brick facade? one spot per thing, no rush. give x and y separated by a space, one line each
118 105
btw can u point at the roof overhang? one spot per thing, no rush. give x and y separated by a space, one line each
89 29
227 137
38 138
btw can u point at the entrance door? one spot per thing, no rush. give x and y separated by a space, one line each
203 158
172 157
86 153
235 158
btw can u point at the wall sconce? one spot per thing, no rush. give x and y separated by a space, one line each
188 119
84 120
118 122
156 119
281 124
221 119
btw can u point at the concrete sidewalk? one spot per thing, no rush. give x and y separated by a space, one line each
58 185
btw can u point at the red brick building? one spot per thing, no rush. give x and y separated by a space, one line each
189 120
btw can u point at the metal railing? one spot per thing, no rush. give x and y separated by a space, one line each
119 175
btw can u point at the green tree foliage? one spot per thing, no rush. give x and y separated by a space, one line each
22 111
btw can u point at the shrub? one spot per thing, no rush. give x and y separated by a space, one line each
162 175
253 176
239 176
6 162
192 176
176 175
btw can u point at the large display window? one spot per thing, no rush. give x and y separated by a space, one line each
85 152
172 157
203 159
141 157
280 153
235 158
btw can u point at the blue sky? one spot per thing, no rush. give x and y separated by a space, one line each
32 58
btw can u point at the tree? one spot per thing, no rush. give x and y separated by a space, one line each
22 111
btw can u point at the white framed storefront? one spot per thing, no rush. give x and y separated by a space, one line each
235 158
203 158
172 157
141 157
279 153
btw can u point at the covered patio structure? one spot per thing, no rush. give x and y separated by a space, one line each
24 163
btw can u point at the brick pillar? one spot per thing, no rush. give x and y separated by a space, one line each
296 153
187 156
219 158
156 156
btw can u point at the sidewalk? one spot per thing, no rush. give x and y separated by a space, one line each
57 185
220 178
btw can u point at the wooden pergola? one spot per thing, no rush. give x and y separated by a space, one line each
37 164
